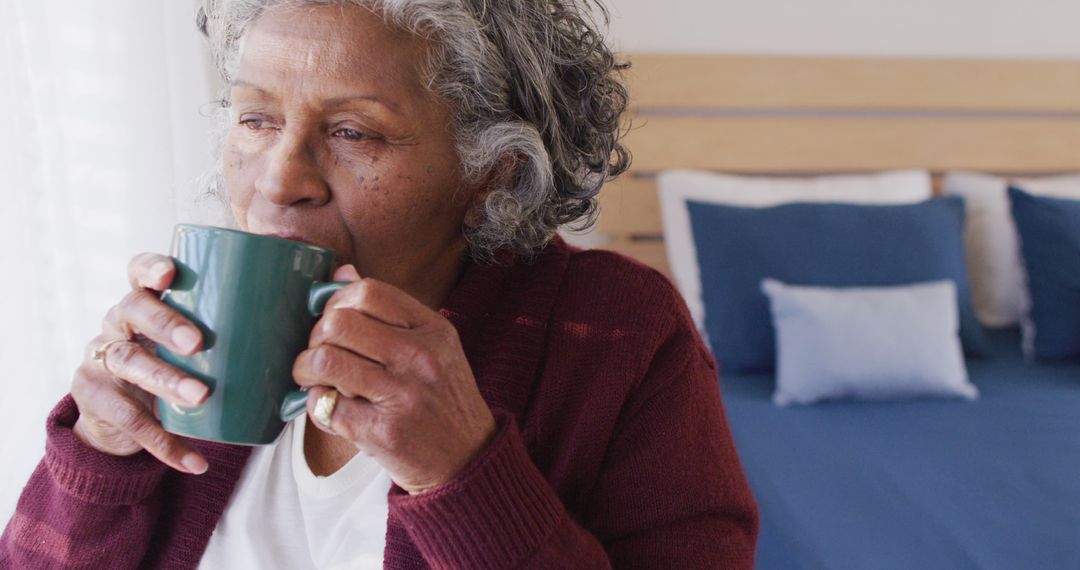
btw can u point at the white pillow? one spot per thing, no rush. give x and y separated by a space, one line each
996 271
871 343
678 186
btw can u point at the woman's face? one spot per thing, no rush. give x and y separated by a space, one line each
334 140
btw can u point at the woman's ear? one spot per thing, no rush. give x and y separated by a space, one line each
500 177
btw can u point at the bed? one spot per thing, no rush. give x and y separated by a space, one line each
919 484
923 483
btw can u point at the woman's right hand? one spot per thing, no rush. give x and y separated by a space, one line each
116 407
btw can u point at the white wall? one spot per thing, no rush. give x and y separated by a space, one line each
957 28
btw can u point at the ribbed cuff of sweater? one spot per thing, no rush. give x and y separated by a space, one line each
496 512
91 475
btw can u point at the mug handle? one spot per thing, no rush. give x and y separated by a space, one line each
296 401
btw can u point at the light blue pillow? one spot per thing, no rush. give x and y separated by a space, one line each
1049 230
829 245
873 343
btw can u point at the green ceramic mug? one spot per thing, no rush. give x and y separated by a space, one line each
256 299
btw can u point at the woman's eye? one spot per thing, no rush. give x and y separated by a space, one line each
253 123
351 134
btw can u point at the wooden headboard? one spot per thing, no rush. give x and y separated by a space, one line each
805 116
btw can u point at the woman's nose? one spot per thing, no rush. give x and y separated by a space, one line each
292 175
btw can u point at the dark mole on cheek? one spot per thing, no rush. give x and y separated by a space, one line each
430 169
236 162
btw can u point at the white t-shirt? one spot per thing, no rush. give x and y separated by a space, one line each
284 516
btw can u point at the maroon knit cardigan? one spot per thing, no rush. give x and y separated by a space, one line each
612 447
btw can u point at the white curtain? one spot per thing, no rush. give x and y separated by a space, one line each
103 138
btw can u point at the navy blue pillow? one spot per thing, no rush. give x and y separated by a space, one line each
1049 231
832 245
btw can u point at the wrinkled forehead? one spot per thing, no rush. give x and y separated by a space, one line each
329 42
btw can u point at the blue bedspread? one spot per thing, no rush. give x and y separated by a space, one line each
993 483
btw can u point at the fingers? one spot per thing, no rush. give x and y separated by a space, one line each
352 375
110 409
151 271
131 362
141 312
384 302
360 333
116 411
137 422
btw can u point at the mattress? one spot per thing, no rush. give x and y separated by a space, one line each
993 483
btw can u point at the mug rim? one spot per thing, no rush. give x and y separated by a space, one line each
250 235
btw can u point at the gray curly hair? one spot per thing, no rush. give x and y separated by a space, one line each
530 83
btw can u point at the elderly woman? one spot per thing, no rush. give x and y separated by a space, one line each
506 400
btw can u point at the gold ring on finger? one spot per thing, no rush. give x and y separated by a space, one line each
324 408
102 351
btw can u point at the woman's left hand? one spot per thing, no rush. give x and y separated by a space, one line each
407 396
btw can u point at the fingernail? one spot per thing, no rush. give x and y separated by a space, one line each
159 270
194 463
185 338
347 273
191 390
